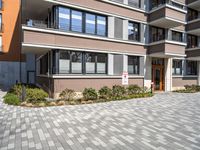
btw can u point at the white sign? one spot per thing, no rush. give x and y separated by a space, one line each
125 78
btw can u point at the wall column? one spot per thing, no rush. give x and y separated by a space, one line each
147 71
125 63
110 64
125 29
111 27
168 74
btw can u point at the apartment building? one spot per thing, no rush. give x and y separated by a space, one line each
74 44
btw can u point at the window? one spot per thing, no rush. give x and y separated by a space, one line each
177 67
71 62
191 67
177 36
0 22
101 26
64 18
76 62
79 21
44 65
90 25
134 31
1 4
133 65
134 3
157 3
192 14
156 34
76 21
192 41
64 62
177 5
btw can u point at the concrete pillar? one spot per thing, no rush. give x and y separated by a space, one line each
125 29
111 27
147 71
198 69
169 37
141 68
125 63
110 64
168 74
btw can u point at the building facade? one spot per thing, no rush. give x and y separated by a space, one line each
74 44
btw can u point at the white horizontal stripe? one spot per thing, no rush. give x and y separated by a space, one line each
65 16
90 21
76 17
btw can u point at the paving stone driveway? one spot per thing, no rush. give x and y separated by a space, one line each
166 121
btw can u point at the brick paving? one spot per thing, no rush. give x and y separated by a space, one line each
167 121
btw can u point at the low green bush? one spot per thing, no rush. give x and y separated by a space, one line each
134 89
118 92
105 93
67 94
35 95
11 99
90 94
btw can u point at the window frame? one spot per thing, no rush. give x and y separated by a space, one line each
177 34
138 38
157 38
192 41
134 65
193 71
175 65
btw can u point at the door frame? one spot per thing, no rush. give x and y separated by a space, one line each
162 83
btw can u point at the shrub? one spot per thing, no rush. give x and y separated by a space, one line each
35 95
134 89
105 92
67 94
16 89
90 94
11 99
118 91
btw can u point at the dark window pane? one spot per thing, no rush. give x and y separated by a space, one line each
101 25
101 63
64 18
64 62
156 34
76 62
192 41
90 24
76 21
191 67
133 31
133 65
177 67
177 36
90 62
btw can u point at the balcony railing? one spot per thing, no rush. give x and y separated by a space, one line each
132 3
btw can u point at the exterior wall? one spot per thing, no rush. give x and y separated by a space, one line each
109 8
193 25
58 85
179 82
31 37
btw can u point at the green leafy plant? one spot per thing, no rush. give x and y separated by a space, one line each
134 89
11 99
118 92
105 93
67 94
35 95
90 94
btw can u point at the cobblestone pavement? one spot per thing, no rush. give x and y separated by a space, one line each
167 121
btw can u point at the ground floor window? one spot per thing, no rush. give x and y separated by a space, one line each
44 65
133 64
72 62
177 67
191 67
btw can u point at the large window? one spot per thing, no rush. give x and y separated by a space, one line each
177 36
44 65
64 18
134 3
191 67
134 31
177 67
192 14
79 21
71 62
192 41
133 64
157 34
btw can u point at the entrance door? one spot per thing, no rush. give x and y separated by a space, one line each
158 78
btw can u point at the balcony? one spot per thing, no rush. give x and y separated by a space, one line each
194 4
193 54
193 27
167 16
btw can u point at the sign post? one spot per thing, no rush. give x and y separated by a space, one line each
125 78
